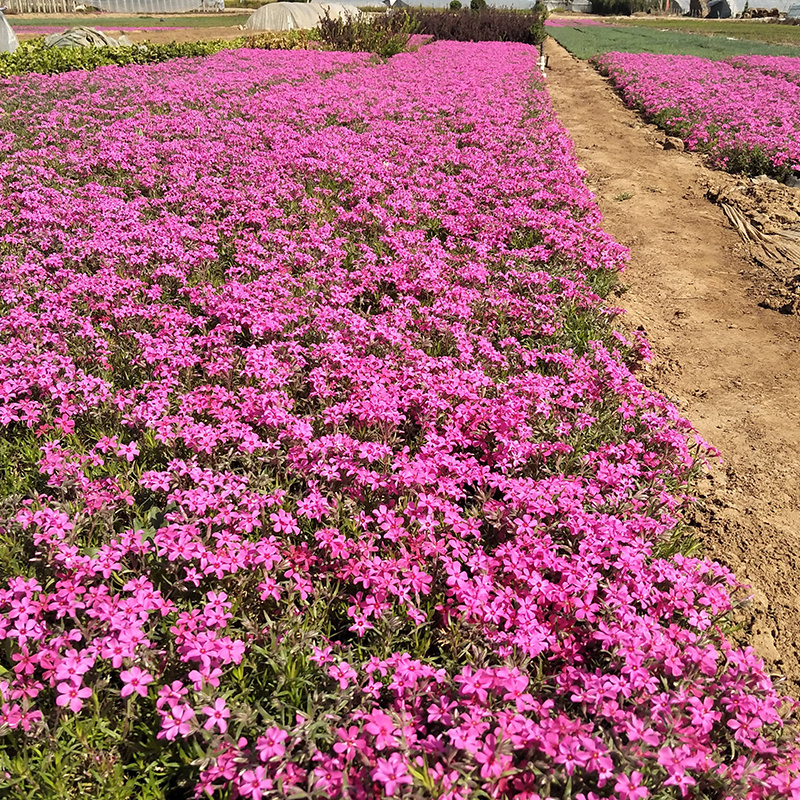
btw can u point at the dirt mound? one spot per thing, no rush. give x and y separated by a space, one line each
766 214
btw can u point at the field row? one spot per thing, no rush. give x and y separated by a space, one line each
585 41
323 469
745 113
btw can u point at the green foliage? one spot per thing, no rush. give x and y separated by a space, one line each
243 3
477 5
591 40
455 5
33 56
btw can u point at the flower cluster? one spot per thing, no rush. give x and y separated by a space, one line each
324 458
744 114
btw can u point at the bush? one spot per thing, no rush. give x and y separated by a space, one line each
490 25
622 7
455 5
477 5
361 36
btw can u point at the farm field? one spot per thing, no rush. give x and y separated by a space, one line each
750 30
744 119
590 40
160 29
328 466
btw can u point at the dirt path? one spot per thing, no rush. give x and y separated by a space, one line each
734 368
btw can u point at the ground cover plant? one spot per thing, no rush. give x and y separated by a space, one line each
587 41
783 67
745 120
324 471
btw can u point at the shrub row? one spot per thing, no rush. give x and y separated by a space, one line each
33 56
622 7
363 36
481 25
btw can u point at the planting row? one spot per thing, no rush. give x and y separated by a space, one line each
744 114
323 471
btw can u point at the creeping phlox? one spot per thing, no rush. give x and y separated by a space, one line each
325 461
785 67
744 113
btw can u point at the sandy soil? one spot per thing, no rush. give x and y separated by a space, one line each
183 35
732 366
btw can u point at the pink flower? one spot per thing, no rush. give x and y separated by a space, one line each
217 715
72 695
350 742
380 725
135 680
128 451
270 745
177 722
284 522
493 763
392 773
343 673
630 788
254 782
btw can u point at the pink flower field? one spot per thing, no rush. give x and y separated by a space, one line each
324 471
784 67
745 113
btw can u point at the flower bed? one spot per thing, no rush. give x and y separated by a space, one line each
784 67
323 468
745 120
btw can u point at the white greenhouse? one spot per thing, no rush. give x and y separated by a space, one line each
296 16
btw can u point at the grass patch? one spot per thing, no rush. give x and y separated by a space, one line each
754 31
587 41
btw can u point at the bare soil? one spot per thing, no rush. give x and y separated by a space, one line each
182 35
732 366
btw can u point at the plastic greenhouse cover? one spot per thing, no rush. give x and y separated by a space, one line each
8 39
157 6
294 16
